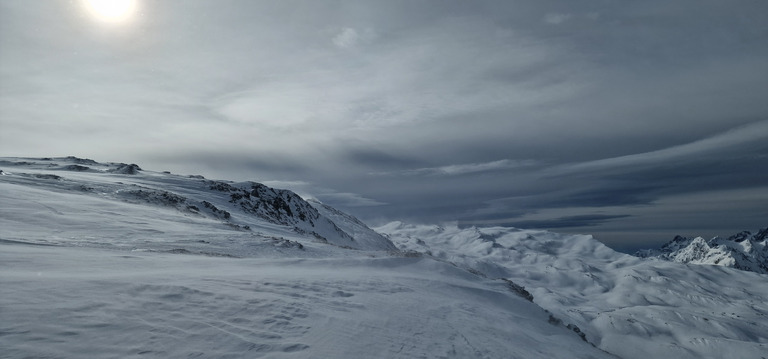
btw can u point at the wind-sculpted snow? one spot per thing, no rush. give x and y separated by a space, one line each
84 302
743 251
628 306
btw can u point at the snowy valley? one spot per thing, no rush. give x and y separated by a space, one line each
110 260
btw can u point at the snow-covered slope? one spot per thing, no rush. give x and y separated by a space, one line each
94 303
357 229
745 251
113 261
248 207
628 306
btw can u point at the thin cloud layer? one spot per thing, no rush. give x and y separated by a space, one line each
462 169
586 116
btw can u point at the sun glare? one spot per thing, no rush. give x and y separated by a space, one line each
113 11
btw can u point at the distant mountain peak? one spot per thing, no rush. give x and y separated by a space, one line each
743 250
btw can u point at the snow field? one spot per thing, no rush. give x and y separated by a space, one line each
85 302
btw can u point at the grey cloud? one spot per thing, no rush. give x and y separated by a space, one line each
346 200
368 155
285 184
586 220
349 37
336 198
744 135
556 18
462 169
644 179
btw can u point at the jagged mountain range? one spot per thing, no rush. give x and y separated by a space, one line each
744 250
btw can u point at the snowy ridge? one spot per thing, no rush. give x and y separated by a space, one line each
628 306
744 250
241 206
282 207
354 227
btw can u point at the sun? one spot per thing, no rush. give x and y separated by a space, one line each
113 11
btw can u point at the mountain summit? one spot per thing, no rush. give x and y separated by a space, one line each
744 250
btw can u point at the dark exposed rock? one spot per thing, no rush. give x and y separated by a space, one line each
740 237
126 169
82 161
48 176
77 168
151 196
519 289
220 213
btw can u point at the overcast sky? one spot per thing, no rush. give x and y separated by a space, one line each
632 121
